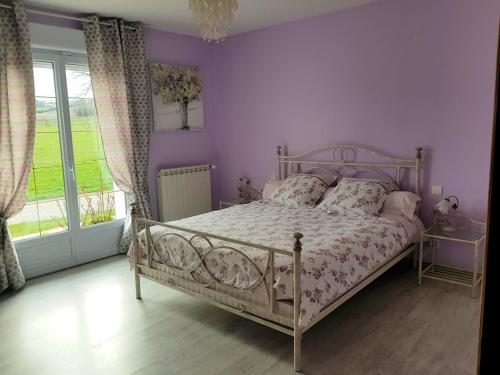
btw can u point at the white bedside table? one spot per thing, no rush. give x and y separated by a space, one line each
434 235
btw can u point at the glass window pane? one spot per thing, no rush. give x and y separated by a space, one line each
45 210
47 150
38 218
101 206
99 199
44 79
78 81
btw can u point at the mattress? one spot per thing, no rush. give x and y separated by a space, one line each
338 251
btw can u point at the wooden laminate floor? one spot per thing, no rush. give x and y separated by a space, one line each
86 321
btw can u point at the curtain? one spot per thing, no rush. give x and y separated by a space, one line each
17 131
118 71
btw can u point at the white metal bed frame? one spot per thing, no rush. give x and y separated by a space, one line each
342 155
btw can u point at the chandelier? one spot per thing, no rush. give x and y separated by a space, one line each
214 17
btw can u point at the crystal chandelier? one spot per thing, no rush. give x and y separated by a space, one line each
214 17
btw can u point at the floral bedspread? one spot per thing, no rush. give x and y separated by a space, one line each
338 251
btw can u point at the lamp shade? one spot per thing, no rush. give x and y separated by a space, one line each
443 206
447 208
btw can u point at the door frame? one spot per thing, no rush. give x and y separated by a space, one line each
76 245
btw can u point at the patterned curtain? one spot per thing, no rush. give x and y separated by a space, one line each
118 71
17 131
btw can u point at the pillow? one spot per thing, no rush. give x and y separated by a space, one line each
328 178
358 196
402 203
270 187
325 194
389 184
301 190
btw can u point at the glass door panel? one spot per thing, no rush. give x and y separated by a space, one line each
70 187
99 199
45 209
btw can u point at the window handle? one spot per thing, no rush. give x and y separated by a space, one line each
72 171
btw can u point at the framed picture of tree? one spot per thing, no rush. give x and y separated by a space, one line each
177 94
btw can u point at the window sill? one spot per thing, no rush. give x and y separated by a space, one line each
103 226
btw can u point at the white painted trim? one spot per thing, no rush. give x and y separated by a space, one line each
57 38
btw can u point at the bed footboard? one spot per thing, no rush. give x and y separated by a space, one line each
266 314
297 292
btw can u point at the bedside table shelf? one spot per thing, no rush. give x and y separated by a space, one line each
450 274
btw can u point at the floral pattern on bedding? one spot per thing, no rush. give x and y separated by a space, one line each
338 251
300 190
358 196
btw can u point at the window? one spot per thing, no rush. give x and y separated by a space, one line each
70 185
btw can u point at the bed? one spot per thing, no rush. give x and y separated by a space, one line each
284 267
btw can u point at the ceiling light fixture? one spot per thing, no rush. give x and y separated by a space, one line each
214 17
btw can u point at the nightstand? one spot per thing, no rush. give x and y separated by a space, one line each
464 235
233 202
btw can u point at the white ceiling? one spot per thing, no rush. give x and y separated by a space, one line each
174 15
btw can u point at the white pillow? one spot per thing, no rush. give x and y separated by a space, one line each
270 187
402 203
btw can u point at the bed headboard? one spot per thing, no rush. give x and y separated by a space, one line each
349 156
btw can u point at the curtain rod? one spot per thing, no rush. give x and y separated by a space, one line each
57 15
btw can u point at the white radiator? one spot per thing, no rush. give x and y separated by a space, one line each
183 192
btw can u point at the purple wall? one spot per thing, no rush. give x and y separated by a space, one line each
392 74
170 149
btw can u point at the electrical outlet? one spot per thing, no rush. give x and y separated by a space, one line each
437 190
274 177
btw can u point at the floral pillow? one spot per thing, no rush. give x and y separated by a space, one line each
300 191
358 196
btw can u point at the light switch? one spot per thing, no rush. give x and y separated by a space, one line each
437 190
